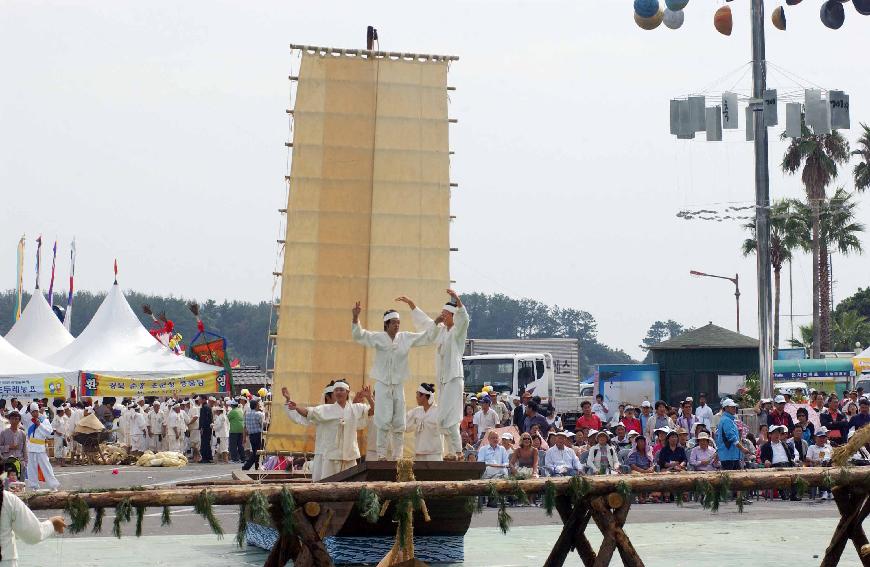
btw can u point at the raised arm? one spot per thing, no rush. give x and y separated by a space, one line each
360 335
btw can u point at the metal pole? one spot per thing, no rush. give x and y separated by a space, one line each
737 297
762 201
790 302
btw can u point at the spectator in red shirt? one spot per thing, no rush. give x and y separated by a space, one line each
778 416
631 423
588 419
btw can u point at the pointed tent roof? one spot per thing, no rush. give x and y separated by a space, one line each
707 337
14 363
115 342
38 333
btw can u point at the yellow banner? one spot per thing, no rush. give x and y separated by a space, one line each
121 386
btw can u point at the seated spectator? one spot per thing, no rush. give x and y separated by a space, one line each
534 417
834 421
774 453
581 436
525 457
807 427
703 455
660 436
494 455
467 429
778 416
507 441
587 418
862 418
621 439
819 455
672 457
602 458
631 422
797 445
560 459
683 437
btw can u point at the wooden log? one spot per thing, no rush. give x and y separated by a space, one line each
309 539
610 525
349 491
865 551
312 509
615 500
565 541
581 543
321 526
850 507
287 547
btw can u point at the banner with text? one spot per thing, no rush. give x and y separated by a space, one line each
43 386
120 386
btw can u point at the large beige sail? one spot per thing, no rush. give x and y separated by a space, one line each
368 219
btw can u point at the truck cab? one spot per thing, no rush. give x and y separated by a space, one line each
514 373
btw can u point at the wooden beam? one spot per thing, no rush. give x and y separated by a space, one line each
575 519
850 507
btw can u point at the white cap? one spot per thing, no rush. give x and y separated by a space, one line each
569 434
507 435
666 429
780 399
645 404
824 431
773 428
33 407
689 399
729 403
632 432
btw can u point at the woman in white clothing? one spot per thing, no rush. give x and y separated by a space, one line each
423 421
18 521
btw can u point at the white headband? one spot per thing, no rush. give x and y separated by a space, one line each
424 391
391 315
450 308
341 385
328 389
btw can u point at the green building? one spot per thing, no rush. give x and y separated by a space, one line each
709 359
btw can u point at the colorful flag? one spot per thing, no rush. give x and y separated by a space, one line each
38 258
19 278
67 319
51 282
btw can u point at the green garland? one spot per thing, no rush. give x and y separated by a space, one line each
473 505
123 513
827 480
679 499
504 519
204 506
257 509
165 518
402 512
243 526
288 508
549 497
518 493
740 502
579 488
801 487
623 489
140 517
79 514
369 505
99 514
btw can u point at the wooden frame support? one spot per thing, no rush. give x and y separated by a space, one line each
854 507
305 546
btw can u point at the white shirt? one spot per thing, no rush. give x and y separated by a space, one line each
42 432
137 423
814 453
485 421
339 426
598 409
556 457
427 436
449 343
194 413
705 416
175 421
221 425
18 521
779 455
391 355
155 421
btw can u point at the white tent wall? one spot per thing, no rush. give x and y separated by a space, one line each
23 376
38 333
115 342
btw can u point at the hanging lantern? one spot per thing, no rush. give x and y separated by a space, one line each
833 14
646 8
722 20
674 19
862 7
676 5
649 23
778 18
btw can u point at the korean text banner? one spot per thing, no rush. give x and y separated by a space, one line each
202 383
36 387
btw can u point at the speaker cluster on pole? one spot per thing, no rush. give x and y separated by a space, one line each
823 111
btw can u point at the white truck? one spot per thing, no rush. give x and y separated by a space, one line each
516 366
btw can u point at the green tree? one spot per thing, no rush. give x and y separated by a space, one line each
806 340
817 156
862 168
786 231
849 328
858 301
661 331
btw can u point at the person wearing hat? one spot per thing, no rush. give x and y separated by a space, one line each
672 457
337 425
155 427
631 422
862 418
221 435
778 416
38 432
602 457
59 424
703 456
138 430
559 459
645 414
389 372
485 418
507 441
175 427
451 332
659 420
819 455
728 437
321 444
774 453
13 442
423 421
621 439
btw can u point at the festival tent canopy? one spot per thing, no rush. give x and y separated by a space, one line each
862 361
116 343
38 333
22 375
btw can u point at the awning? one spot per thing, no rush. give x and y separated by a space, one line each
862 361
813 368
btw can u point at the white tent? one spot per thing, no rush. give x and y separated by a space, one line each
862 361
24 376
115 342
38 333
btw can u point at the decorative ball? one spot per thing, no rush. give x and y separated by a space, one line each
676 5
723 21
650 23
778 18
832 14
646 8
674 20
862 7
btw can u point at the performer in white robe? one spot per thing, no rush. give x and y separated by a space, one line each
389 371
138 430
319 441
423 421
175 428
451 332
37 458
155 427
59 424
221 427
17 521
339 422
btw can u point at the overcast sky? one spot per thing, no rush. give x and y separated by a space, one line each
153 132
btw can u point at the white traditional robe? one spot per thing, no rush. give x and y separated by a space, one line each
390 371
175 428
37 458
336 430
221 428
155 422
450 377
59 424
428 444
138 425
17 521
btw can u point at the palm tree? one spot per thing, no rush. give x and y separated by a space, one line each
862 170
850 327
817 155
806 340
839 231
787 229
